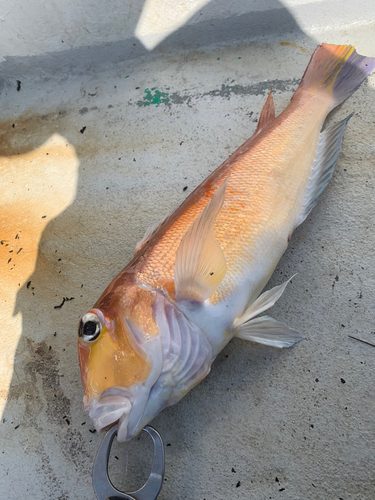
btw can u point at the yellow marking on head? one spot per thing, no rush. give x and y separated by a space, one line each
114 360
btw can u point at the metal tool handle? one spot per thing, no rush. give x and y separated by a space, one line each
103 487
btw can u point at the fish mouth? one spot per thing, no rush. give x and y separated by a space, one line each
113 405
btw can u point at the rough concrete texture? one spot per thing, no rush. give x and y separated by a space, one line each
88 160
90 27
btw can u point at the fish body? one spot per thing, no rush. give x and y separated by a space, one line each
194 281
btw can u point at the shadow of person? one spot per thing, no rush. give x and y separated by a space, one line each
121 151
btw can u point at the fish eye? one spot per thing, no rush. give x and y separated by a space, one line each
89 327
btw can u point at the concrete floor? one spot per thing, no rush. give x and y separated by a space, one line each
88 160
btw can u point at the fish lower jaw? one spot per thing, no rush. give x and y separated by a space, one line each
112 406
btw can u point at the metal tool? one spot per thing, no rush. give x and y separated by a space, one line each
103 487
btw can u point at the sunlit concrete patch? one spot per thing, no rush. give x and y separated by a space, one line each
35 188
161 18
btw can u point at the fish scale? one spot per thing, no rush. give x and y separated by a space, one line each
268 177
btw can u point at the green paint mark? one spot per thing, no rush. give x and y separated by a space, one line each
127 76
218 59
154 96
110 106
115 87
240 58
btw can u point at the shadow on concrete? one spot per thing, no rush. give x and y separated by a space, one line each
275 19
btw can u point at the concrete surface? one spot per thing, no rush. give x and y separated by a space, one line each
89 157
41 27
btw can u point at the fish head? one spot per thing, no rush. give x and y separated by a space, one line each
119 359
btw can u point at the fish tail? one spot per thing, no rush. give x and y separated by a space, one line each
337 70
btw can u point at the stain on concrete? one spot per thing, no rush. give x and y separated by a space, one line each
260 88
157 97
40 391
154 96
293 45
39 361
54 487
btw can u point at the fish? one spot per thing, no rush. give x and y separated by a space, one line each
196 278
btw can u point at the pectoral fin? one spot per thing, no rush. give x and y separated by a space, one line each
200 263
267 331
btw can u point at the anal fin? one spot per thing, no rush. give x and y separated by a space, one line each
329 149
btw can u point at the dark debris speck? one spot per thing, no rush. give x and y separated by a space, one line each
60 305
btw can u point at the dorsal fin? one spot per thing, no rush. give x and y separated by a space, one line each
200 263
149 233
267 114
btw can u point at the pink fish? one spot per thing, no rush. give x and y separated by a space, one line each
195 280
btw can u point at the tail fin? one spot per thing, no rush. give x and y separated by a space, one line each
336 69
